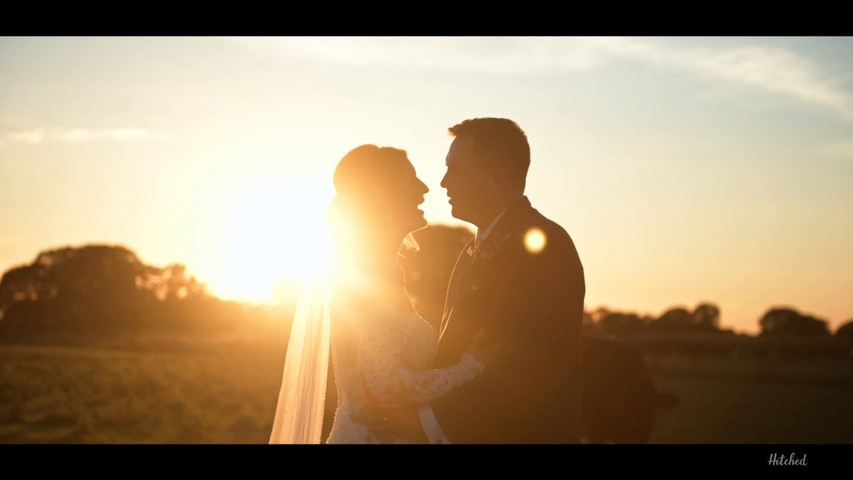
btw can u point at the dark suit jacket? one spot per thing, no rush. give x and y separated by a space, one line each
530 304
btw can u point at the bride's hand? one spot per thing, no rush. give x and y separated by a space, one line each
484 354
394 423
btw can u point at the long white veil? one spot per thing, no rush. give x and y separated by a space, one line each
301 400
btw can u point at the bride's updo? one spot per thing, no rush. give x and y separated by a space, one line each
365 171
359 215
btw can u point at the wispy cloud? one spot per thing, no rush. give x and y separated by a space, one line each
77 135
27 136
770 69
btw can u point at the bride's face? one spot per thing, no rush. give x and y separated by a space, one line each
404 196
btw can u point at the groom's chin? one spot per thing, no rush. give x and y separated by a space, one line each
459 214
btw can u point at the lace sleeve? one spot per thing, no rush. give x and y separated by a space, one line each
381 358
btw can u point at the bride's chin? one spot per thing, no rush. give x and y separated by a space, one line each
420 224
411 222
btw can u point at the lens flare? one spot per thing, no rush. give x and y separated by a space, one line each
535 240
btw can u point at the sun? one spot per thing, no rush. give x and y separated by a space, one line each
270 237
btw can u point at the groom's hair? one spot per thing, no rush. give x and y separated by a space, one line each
500 142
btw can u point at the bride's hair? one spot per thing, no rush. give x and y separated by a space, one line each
358 216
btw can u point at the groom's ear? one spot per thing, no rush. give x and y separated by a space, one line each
497 179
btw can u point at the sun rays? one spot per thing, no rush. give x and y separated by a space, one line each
271 236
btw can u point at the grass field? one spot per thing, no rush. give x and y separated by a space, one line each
228 395
87 395
755 401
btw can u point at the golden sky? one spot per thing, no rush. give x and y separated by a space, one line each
685 169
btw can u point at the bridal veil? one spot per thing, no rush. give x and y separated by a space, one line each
301 400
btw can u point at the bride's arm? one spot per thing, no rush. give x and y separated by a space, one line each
385 375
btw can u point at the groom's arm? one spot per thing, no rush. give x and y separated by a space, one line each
537 369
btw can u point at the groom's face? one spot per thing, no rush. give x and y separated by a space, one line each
468 183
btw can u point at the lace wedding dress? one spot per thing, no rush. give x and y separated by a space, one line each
385 355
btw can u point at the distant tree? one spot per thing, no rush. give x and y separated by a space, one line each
99 290
428 268
787 321
845 330
616 323
677 319
589 326
599 314
706 317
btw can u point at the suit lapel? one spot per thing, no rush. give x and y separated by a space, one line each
456 287
460 285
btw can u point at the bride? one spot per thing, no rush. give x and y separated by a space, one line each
381 349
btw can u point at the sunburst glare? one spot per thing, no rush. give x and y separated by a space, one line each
271 236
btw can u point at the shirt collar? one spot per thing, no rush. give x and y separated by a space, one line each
482 236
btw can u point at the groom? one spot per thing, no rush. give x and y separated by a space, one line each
519 283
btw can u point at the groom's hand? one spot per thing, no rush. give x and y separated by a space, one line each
390 421
482 353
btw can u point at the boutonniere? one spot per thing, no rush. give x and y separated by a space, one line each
487 249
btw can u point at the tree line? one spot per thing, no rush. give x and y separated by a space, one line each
106 290
705 318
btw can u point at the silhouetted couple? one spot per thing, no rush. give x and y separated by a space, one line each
504 366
